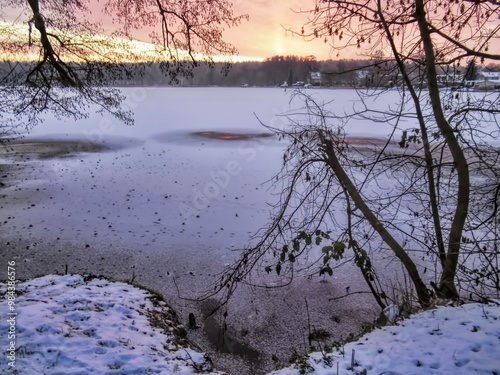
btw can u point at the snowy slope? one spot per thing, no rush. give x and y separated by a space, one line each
74 325
446 340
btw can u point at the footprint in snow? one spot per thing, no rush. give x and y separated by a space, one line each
461 362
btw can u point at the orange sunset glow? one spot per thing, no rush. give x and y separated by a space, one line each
269 31
265 33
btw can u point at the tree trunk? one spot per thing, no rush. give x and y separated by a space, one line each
423 293
429 164
447 283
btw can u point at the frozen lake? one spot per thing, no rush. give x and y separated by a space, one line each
167 203
193 167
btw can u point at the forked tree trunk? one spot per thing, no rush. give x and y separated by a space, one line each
447 283
429 164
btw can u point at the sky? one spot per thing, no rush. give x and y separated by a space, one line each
267 26
263 35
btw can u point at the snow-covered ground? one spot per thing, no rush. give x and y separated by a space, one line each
458 340
76 325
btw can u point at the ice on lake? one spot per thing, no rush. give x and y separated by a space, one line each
173 196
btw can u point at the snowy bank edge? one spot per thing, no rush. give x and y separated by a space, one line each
449 339
93 325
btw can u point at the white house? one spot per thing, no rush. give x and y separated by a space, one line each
315 78
488 76
487 81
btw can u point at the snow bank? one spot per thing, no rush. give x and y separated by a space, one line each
445 340
75 325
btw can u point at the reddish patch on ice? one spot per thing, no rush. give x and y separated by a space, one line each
365 141
227 136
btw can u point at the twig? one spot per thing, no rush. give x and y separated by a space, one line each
308 322
348 295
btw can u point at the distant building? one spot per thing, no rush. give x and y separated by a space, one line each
488 76
450 80
450 76
315 78
487 81
362 74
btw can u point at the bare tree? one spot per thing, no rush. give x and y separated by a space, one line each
57 60
429 194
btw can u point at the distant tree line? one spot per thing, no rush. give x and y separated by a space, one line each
273 71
